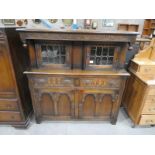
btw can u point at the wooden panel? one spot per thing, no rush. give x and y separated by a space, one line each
64 105
104 106
151 91
6 78
77 55
134 94
87 108
95 105
147 120
6 116
9 104
47 104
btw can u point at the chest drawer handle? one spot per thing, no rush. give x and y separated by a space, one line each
146 70
149 121
151 109
153 100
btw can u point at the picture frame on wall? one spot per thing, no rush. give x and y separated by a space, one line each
107 22
8 21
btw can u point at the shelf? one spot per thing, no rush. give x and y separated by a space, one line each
128 27
149 26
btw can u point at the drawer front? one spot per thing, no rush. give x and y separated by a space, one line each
53 81
9 116
100 82
150 99
147 69
151 92
76 82
9 104
147 119
149 108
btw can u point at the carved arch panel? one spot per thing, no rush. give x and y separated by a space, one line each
97 105
56 104
64 105
47 104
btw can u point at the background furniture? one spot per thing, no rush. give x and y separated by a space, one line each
128 27
15 101
139 94
76 74
149 27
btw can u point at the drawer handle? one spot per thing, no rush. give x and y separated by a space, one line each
149 121
153 100
153 109
146 70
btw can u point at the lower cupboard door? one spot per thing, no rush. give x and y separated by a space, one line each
95 105
57 104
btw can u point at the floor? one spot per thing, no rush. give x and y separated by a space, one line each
123 126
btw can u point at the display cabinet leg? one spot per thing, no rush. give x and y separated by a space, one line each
38 120
113 121
133 125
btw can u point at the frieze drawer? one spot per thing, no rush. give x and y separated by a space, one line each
53 81
100 82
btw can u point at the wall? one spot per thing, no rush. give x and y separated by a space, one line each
100 24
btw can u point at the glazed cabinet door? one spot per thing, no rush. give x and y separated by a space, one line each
96 105
101 56
54 104
7 83
56 55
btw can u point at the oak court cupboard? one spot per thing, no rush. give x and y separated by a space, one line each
76 75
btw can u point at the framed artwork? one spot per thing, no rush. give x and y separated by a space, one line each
8 21
107 22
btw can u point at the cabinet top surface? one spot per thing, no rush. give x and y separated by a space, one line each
76 35
77 72
148 79
83 31
144 61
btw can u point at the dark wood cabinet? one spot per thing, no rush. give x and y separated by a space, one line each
76 74
15 101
